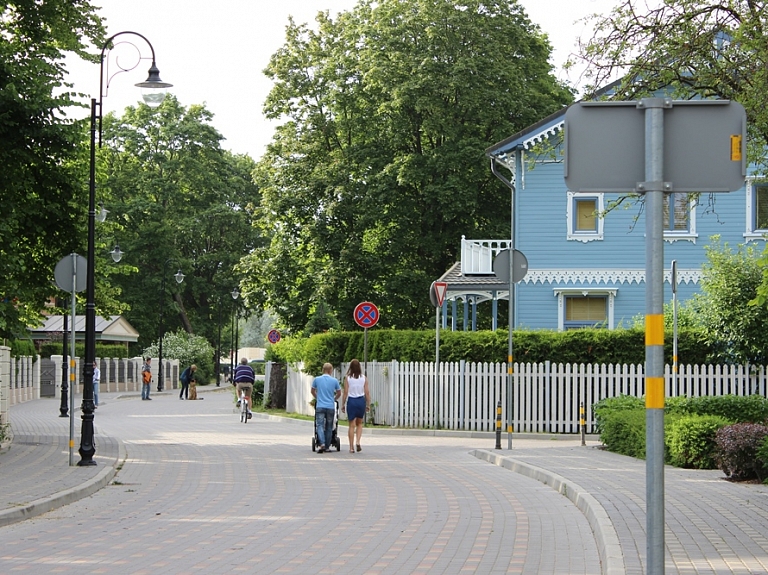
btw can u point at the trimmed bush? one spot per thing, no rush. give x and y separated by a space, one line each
690 440
604 408
737 450
736 408
623 431
762 455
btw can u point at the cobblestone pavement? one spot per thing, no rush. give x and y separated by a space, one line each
199 492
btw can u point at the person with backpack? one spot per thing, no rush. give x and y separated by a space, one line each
146 378
187 376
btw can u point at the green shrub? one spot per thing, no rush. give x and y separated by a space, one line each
762 455
736 450
22 348
605 407
736 408
117 351
623 431
690 440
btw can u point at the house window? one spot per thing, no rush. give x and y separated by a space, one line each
585 311
585 307
679 212
757 210
583 214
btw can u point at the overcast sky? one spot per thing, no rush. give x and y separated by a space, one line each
214 53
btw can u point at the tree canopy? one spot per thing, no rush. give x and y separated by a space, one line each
379 166
176 200
43 180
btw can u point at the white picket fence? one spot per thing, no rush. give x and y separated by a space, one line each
545 397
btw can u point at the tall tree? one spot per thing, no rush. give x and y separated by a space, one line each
43 178
177 200
379 167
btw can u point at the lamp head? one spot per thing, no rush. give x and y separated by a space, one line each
153 89
235 293
179 276
117 254
102 215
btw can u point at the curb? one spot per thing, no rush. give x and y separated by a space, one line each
608 547
62 498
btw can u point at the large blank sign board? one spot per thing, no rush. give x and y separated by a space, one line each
704 146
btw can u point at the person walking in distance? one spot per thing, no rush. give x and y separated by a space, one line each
356 402
243 381
326 390
96 378
187 376
146 378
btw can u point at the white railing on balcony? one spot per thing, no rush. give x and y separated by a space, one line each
477 255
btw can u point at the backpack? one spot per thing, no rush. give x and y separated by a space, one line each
146 376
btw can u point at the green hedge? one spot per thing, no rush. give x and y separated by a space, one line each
575 346
102 350
22 347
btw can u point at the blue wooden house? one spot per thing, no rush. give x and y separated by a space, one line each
583 269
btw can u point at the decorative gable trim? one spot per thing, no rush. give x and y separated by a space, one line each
586 276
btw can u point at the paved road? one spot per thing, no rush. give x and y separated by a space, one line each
199 492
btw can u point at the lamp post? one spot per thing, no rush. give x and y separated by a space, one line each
233 356
155 92
179 278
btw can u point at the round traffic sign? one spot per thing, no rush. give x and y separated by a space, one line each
273 336
366 314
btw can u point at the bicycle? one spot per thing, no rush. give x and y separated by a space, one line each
243 407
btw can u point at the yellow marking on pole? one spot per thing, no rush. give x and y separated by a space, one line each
72 363
509 429
654 393
735 147
654 329
71 443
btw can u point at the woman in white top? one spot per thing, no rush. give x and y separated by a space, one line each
356 401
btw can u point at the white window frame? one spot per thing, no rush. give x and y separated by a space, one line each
570 212
689 234
752 232
560 293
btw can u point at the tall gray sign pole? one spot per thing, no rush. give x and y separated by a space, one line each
654 187
655 146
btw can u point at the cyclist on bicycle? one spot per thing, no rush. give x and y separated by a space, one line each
243 380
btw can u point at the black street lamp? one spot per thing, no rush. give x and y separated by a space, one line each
179 278
152 97
233 340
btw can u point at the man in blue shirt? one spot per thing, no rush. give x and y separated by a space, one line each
244 378
326 390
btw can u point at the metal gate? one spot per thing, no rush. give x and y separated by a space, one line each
47 378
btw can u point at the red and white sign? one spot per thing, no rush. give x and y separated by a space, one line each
440 289
366 314
273 336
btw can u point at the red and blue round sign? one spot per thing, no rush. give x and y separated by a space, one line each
366 314
273 336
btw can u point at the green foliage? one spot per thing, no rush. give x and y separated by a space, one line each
762 456
690 440
735 408
576 346
737 448
321 320
623 431
732 327
377 168
116 351
22 347
188 349
43 175
179 201
605 408
287 350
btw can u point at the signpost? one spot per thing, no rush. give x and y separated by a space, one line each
366 315
653 146
70 275
437 293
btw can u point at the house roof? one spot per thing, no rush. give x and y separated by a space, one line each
113 328
483 286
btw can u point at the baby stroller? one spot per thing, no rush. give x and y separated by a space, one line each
335 441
